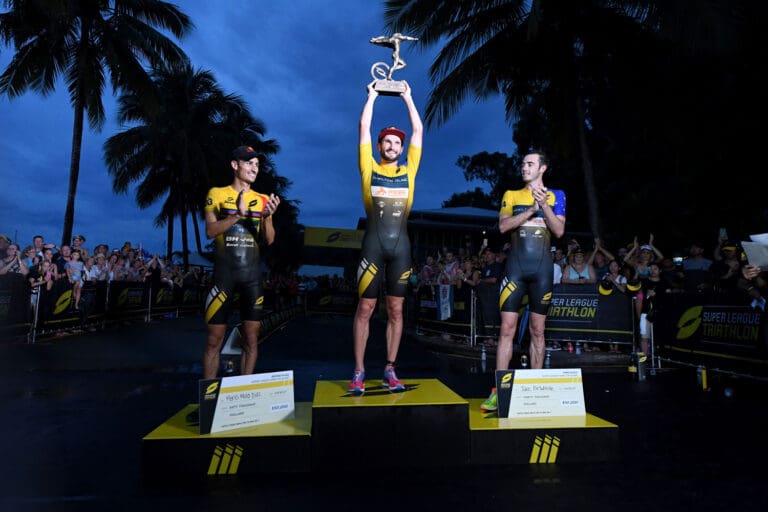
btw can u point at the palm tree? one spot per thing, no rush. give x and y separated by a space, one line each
570 72
180 149
542 54
82 41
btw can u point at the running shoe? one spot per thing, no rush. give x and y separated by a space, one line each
391 382
357 384
491 403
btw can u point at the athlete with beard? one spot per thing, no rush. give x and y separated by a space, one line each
532 214
386 253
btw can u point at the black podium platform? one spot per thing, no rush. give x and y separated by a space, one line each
423 426
427 425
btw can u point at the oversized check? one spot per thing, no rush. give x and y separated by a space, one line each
246 400
546 392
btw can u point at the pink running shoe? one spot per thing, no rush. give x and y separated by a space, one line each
357 384
391 382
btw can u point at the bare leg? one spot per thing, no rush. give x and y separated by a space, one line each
394 326
536 323
214 339
506 337
360 330
250 343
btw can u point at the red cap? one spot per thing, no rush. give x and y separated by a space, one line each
392 131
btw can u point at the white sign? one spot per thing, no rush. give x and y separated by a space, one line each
248 400
549 392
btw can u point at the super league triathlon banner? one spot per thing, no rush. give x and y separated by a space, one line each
331 301
580 312
690 322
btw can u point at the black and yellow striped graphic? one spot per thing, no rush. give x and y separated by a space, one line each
507 287
214 301
226 460
544 450
366 273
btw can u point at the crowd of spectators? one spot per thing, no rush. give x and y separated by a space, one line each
639 269
45 264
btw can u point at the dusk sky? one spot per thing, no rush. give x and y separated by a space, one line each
302 67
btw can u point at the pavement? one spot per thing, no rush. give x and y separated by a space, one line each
75 409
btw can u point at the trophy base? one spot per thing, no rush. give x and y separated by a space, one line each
389 87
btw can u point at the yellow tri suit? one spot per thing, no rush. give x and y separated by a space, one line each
529 267
236 264
387 197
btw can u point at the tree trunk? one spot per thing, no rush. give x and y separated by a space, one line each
184 237
169 242
74 171
589 173
196 225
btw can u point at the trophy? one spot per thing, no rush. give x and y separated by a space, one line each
382 72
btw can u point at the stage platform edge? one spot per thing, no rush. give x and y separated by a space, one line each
541 440
176 447
427 425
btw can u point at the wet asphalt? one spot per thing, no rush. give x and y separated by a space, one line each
75 409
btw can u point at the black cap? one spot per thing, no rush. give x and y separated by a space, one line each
244 153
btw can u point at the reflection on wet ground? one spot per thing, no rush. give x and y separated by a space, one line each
74 412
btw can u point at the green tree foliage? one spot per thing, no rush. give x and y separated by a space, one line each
177 147
85 42
641 101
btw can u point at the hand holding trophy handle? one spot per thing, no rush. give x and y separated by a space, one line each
371 88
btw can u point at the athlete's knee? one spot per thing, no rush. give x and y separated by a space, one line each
215 337
536 331
365 308
213 343
395 308
508 326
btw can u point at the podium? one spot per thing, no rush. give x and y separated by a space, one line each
423 426
428 425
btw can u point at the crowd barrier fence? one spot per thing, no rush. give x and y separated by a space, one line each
25 314
683 323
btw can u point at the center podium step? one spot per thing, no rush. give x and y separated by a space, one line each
424 426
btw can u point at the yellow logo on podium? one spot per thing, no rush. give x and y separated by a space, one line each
544 450
226 460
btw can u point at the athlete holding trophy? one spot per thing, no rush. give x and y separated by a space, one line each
387 189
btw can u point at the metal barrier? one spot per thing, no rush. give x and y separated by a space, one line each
578 314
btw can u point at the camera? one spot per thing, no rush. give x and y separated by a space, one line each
677 260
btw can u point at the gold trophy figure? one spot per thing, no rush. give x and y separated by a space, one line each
382 72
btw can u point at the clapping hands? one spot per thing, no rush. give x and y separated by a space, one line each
272 203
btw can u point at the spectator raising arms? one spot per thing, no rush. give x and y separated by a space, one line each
578 271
